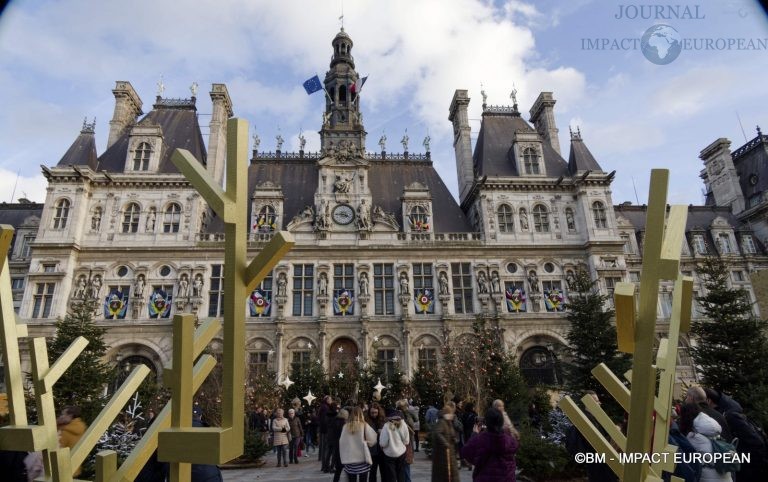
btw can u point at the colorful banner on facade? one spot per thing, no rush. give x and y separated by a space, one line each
419 222
115 305
265 223
259 303
516 302
343 302
554 300
424 301
160 304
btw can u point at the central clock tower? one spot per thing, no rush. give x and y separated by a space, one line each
343 202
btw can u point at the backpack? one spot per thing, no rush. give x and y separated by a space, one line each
722 447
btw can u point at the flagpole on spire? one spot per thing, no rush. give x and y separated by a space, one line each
342 15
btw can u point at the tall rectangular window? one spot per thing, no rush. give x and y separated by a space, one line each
26 246
258 363
387 360
43 300
628 248
384 289
300 362
260 301
428 359
423 285
725 243
610 287
462 287
748 244
554 297
17 283
303 286
216 291
699 244
665 304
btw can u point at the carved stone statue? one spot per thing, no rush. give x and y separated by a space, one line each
482 282
80 289
326 117
343 183
404 141
322 285
364 283
426 143
282 284
383 142
404 288
364 215
138 286
256 141
302 141
495 282
533 282
184 286
95 287
151 217
96 220
443 281
197 286
523 219
279 142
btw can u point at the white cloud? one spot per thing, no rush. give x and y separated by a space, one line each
14 186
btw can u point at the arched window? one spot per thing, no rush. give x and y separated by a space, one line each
141 157
131 218
266 219
172 218
598 212
539 365
61 215
570 220
531 161
506 222
540 218
419 218
343 93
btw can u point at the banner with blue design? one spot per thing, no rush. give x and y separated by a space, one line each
159 304
424 301
554 300
115 305
343 302
516 301
259 303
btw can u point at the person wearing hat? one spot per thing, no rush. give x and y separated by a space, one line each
393 440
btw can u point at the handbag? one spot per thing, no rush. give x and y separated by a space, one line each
409 448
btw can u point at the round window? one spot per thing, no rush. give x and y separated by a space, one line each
753 179
122 271
512 268
549 267
165 271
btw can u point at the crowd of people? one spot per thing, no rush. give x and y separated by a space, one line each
370 442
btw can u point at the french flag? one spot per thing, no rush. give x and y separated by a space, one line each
358 86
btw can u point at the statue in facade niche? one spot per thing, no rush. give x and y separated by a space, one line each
482 282
96 220
151 217
404 288
363 283
184 286
138 286
495 283
95 287
443 281
322 285
524 219
343 183
364 215
533 282
197 286
80 289
282 284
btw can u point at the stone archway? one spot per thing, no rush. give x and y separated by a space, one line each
538 365
342 355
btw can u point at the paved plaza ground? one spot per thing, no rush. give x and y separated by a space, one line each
308 470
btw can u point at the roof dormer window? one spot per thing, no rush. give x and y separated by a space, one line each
531 161
141 157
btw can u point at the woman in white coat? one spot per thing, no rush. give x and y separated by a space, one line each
700 428
356 438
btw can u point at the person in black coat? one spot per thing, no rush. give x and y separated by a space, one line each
335 427
12 466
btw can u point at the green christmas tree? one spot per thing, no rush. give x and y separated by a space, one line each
591 340
84 382
391 377
306 377
732 346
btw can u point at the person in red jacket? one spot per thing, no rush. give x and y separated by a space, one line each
492 451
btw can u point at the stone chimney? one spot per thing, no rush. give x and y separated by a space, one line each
720 175
217 138
127 110
543 118
462 144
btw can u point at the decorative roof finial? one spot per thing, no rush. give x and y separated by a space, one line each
193 89
383 141
160 87
575 135
404 140
88 128
513 96
279 140
482 93
302 140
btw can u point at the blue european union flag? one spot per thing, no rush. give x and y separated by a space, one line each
313 85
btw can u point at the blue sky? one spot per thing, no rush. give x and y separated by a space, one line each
60 60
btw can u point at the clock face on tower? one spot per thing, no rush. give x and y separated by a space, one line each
343 214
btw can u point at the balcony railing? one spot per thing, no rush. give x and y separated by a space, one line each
410 238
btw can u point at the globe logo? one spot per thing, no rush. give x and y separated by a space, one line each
661 44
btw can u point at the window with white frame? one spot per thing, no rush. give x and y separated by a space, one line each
506 219
665 304
258 363
628 248
303 289
540 218
26 245
131 218
462 287
748 244
384 289
699 244
387 359
598 213
634 276
427 359
42 300
141 157
610 287
725 243
216 291
531 161
172 218
301 361
738 275
61 214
